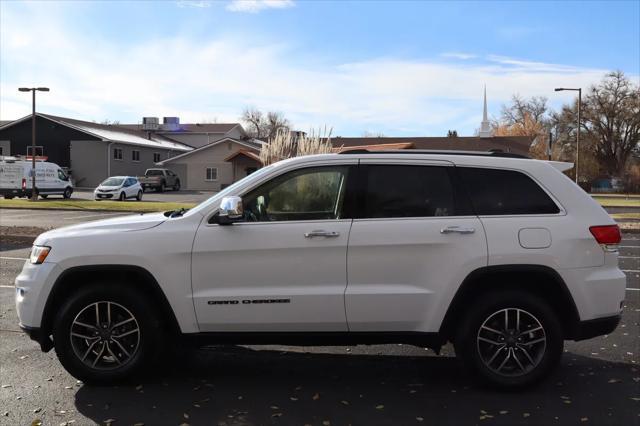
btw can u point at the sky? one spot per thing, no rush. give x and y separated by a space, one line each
397 68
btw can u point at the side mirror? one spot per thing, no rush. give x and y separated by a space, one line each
231 210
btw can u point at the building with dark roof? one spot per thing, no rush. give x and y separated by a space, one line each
93 151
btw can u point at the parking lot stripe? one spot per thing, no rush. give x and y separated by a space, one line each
633 289
13 258
635 247
631 270
7 286
628 257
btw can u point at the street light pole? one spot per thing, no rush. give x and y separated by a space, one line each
579 90
34 194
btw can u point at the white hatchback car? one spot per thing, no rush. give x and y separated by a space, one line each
119 188
504 257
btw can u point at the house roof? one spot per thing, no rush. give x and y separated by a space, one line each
253 144
514 144
249 154
111 133
191 128
375 147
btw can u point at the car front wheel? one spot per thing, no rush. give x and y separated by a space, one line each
139 196
510 339
105 333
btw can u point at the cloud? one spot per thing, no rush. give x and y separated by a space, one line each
198 4
198 80
255 6
459 55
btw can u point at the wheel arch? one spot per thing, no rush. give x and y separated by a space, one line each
69 281
540 280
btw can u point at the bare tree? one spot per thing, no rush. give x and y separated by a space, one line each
254 120
264 126
612 121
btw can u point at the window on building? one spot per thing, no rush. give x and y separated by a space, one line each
117 153
135 155
408 191
39 151
156 157
505 192
212 174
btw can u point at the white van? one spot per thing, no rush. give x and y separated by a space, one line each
15 179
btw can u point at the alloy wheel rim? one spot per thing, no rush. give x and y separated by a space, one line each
105 335
511 342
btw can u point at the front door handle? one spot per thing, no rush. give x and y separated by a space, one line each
321 233
457 230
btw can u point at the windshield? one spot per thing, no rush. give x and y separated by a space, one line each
203 206
113 182
153 172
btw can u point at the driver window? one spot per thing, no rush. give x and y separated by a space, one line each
306 194
61 175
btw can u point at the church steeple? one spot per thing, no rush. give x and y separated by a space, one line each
485 126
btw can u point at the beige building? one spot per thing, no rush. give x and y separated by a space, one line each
214 166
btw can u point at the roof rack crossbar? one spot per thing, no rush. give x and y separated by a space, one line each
500 154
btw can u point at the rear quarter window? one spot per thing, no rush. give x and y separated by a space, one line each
505 192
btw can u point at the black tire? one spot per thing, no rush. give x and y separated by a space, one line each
8 197
176 187
515 372
109 371
44 196
67 193
139 196
161 188
122 197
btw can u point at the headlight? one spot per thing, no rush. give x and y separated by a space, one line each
39 254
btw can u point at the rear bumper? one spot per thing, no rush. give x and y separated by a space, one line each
596 327
13 192
36 334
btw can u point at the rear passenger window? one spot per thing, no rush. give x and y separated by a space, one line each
505 192
408 191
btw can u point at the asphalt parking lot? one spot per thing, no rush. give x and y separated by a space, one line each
597 383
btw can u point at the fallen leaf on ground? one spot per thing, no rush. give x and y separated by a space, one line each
380 407
343 402
420 419
316 397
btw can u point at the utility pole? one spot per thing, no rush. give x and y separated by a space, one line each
34 193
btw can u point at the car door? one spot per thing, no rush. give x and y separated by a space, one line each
283 268
130 188
413 242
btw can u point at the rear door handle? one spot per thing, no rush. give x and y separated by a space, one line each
321 233
457 230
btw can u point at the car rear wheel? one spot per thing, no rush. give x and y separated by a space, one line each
510 339
123 197
67 193
105 333
139 196
44 196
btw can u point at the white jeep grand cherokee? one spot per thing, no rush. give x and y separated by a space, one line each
505 257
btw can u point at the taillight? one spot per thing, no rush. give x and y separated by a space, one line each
607 235
24 183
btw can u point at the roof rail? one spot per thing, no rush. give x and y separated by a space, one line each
500 154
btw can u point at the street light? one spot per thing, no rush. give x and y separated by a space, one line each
33 90
579 90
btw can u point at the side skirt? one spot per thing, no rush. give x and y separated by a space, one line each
429 340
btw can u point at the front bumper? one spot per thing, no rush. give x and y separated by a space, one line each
33 286
596 327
